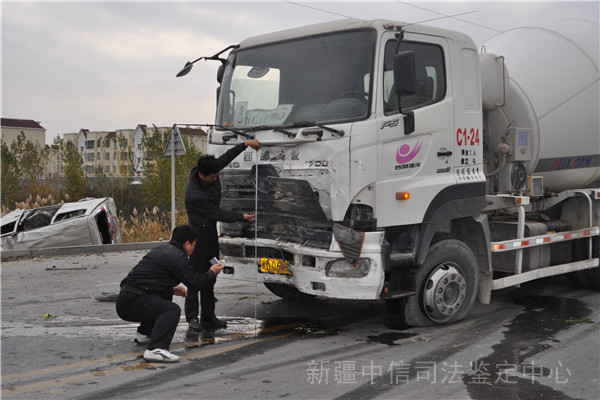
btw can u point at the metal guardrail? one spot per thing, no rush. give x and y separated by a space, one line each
63 251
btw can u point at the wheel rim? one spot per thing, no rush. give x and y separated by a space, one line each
444 292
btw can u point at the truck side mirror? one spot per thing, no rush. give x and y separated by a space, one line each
404 73
220 72
405 84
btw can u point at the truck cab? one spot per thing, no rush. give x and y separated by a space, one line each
371 182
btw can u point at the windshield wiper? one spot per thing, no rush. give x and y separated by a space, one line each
234 131
274 129
338 132
319 134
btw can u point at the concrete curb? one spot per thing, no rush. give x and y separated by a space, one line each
63 251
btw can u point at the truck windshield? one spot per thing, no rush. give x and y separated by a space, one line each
321 79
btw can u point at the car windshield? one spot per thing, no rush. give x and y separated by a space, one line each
321 79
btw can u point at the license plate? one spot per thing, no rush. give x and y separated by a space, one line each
274 266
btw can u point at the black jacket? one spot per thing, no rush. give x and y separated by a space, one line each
163 268
203 202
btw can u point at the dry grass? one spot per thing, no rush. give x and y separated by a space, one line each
151 225
30 203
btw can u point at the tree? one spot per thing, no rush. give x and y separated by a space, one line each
157 168
76 185
10 173
32 159
24 164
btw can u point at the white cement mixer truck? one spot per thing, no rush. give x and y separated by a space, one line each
402 163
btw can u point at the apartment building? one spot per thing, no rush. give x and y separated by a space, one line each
107 153
118 153
35 133
12 127
121 152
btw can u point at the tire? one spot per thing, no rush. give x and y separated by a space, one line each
447 284
288 292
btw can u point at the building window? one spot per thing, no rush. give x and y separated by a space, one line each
114 168
89 144
107 169
114 156
90 169
89 157
107 156
106 142
124 155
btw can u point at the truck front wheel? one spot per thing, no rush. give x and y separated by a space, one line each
446 285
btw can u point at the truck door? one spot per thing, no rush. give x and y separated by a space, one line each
418 163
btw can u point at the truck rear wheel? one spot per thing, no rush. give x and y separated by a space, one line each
287 292
446 285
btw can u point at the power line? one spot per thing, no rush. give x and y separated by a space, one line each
317 9
448 16
405 3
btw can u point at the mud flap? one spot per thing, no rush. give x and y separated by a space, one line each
485 287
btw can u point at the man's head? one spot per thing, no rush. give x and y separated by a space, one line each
208 169
186 235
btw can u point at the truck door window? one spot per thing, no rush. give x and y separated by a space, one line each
431 78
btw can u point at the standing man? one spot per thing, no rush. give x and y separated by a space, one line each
147 292
202 204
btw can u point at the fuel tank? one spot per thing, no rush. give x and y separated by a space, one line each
552 91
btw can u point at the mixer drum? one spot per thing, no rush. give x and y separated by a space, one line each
553 89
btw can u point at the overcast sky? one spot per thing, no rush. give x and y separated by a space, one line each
112 65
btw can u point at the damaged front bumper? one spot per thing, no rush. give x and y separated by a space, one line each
321 272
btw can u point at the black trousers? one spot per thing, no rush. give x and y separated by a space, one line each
207 247
158 317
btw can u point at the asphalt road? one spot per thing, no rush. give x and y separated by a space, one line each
540 341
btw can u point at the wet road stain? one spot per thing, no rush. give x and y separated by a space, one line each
510 371
143 365
390 338
316 330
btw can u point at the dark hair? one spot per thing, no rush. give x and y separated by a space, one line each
184 233
208 164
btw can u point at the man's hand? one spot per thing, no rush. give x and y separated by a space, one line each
255 144
250 217
179 291
217 268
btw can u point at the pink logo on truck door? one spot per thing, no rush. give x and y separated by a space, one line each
405 153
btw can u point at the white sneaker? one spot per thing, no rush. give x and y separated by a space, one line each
160 355
141 339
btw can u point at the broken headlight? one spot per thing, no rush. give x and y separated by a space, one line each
341 268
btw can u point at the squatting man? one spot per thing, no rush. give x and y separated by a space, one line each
147 292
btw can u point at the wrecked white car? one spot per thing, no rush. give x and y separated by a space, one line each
85 222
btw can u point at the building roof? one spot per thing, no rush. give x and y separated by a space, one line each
84 132
192 131
21 123
142 127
